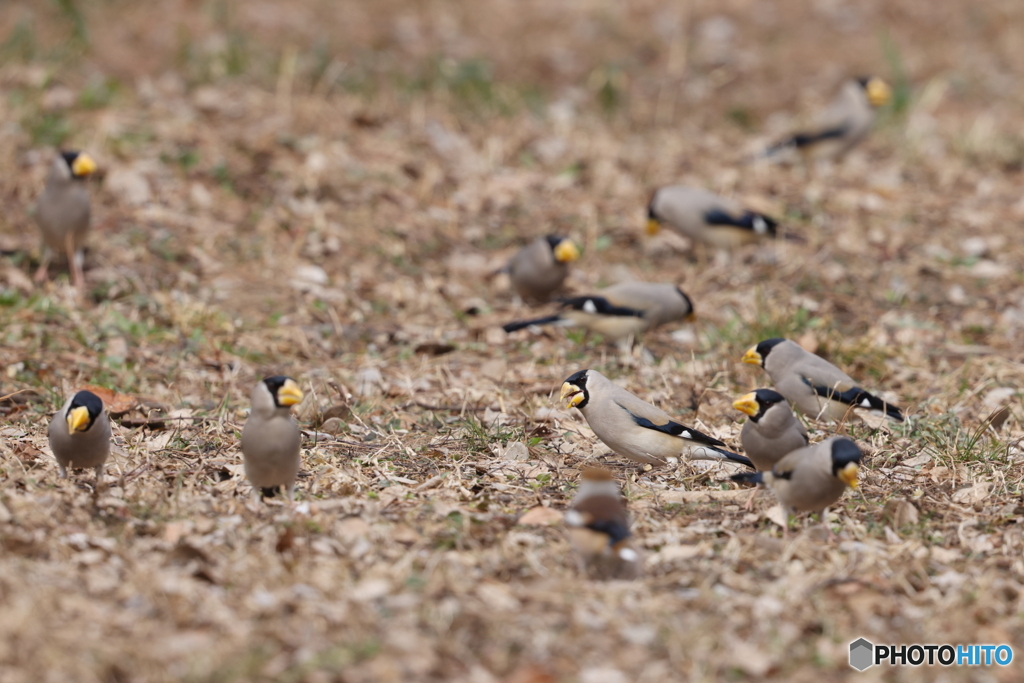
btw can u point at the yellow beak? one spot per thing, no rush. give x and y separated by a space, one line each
747 404
566 252
848 475
752 356
78 419
879 92
83 165
653 226
289 394
571 394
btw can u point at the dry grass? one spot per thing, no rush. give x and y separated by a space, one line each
320 189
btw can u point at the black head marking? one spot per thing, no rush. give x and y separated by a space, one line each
89 401
765 347
69 157
863 81
579 379
689 303
274 384
766 398
553 241
844 452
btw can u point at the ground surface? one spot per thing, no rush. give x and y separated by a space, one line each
320 189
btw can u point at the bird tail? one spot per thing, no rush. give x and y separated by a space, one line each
719 454
748 478
520 324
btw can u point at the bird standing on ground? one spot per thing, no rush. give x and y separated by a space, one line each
63 212
620 312
811 478
812 385
634 428
705 217
844 123
598 528
539 269
270 438
80 434
771 432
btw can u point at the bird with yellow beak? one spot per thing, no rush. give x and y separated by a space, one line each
811 478
539 269
271 442
63 213
842 125
80 434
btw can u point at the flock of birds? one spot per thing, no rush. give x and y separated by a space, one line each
803 476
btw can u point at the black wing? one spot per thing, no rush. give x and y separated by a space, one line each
856 397
520 324
616 530
675 429
806 139
598 304
755 222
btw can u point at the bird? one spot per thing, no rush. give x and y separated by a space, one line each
771 432
812 385
811 478
270 438
841 125
539 269
620 312
598 528
80 434
634 428
62 213
705 217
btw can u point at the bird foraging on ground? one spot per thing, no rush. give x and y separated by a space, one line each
620 312
539 269
844 123
812 385
771 432
270 438
598 528
63 211
634 428
811 478
705 217
80 434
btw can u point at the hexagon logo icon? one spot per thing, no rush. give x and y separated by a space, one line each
861 654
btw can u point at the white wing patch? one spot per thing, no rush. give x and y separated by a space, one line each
865 403
574 518
628 554
760 225
686 435
589 306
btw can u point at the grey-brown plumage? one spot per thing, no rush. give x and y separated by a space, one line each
811 478
634 428
80 434
812 385
705 217
270 438
771 431
539 269
621 311
598 527
844 123
63 212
